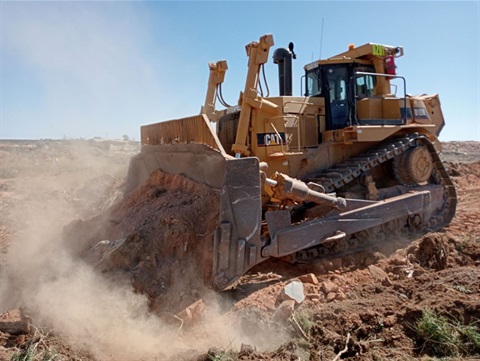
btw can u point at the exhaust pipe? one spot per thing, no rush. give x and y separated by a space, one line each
283 57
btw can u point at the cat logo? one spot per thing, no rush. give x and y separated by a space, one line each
269 139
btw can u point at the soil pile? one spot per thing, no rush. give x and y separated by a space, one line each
160 237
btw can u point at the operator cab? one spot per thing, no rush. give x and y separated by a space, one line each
341 87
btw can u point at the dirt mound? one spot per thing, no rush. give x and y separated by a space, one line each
462 169
432 251
160 237
370 312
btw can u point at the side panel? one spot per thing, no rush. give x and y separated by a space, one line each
434 110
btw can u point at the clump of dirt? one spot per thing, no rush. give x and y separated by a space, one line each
433 251
160 237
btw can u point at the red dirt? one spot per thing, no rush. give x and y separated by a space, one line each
373 298
167 216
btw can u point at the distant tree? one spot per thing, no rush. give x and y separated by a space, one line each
126 138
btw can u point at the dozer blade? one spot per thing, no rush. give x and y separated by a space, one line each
236 240
175 158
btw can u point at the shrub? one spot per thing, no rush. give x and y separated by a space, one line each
441 337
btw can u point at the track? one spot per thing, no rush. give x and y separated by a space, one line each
341 175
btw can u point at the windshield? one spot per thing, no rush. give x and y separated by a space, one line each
337 81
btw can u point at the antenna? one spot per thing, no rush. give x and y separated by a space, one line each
321 39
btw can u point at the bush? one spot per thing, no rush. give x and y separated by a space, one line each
441 337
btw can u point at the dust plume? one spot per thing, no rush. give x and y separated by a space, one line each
57 182
44 278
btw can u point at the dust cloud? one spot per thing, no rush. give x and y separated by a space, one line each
89 312
65 294
57 290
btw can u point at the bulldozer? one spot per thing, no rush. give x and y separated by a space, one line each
348 163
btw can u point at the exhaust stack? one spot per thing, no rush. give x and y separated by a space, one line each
283 57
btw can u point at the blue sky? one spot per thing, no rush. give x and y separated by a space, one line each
86 69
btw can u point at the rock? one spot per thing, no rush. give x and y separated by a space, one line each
331 296
309 278
390 321
293 291
417 272
328 287
192 313
284 311
15 322
379 275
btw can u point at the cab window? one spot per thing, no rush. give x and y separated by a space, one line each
365 84
337 84
314 82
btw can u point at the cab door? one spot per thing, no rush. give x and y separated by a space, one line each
336 96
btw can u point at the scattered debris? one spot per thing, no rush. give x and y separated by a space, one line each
193 313
309 278
293 291
379 275
328 287
433 251
15 322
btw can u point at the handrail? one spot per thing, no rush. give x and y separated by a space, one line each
404 116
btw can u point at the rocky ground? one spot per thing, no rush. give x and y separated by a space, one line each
94 289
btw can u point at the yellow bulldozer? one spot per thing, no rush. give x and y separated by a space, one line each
348 163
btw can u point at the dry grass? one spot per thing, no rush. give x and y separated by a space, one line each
441 337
